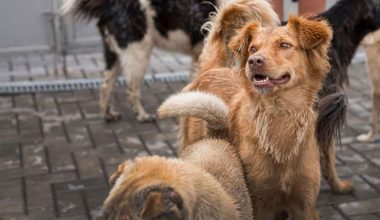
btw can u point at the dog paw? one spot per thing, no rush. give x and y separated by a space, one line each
111 117
365 137
146 117
344 186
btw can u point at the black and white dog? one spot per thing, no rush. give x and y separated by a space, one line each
131 28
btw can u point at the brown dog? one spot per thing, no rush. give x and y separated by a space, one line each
208 183
216 54
271 116
371 44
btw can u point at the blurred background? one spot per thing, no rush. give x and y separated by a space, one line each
56 152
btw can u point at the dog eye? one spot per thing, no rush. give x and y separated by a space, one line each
253 49
285 45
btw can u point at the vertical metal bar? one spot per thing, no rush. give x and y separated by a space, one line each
63 43
53 47
60 37
56 36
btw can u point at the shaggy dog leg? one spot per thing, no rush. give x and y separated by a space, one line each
372 48
332 113
134 61
329 172
107 111
111 73
370 136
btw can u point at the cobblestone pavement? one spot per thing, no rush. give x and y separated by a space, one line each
56 153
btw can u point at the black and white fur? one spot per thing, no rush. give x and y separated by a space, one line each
131 28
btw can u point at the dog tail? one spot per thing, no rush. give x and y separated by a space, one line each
198 104
331 118
83 8
231 16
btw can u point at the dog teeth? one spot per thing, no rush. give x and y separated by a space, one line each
263 80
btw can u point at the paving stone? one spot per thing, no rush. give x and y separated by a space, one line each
13 205
8 125
25 101
80 185
374 156
39 190
10 189
363 190
6 102
157 144
22 172
79 136
95 197
10 157
328 212
326 197
366 146
91 110
70 111
28 122
103 138
373 178
56 152
363 168
88 164
34 155
360 207
61 158
365 217
350 157
70 204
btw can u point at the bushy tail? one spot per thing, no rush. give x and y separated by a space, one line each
331 118
231 16
83 8
202 105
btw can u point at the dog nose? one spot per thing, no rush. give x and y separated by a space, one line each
256 61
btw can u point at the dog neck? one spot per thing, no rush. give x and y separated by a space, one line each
281 122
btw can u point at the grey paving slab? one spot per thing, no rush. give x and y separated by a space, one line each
56 153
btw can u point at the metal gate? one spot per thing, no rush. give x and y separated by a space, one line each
34 25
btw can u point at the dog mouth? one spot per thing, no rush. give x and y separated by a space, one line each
263 81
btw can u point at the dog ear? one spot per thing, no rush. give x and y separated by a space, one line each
240 42
311 33
120 169
164 201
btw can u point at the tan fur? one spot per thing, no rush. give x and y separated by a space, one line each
206 183
371 45
230 17
193 104
275 128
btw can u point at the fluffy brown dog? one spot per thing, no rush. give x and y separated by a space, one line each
271 101
371 45
216 54
208 183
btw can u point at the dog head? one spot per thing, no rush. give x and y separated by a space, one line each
277 58
142 190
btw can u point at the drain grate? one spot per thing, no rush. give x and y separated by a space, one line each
81 84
